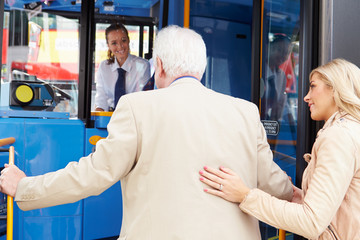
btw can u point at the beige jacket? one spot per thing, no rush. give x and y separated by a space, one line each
331 185
158 141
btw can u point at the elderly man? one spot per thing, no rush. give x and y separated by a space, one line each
157 142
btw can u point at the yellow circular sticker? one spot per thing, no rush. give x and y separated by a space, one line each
24 93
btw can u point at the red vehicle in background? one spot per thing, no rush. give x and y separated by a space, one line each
52 54
5 38
52 51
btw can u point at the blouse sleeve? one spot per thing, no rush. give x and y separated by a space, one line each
144 74
100 96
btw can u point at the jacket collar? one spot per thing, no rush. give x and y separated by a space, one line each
336 116
185 80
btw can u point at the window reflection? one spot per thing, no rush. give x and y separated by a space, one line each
279 85
41 50
274 101
280 78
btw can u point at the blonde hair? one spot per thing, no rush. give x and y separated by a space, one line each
344 78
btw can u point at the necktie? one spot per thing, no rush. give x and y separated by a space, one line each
272 98
269 100
119 86
272 89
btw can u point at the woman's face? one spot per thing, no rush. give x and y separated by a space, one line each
320 99
118 43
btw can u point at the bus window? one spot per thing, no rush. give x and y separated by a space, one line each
101 48
146 33
279 83
101 45
46 54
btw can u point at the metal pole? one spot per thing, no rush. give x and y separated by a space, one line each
186 13
10 203
282 234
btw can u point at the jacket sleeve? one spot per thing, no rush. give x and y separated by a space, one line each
113 159
271 178
335 166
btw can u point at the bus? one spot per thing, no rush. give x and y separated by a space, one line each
57 45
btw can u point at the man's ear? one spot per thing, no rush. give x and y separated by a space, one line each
159 65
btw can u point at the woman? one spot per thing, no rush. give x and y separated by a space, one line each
135 69
328 206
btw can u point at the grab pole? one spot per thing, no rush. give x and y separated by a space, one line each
10 203
282 234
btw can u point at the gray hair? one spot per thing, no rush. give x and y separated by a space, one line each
181 50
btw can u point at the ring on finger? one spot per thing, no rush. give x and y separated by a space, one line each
221 187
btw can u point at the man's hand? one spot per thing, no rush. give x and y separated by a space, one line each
298 196
10 178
